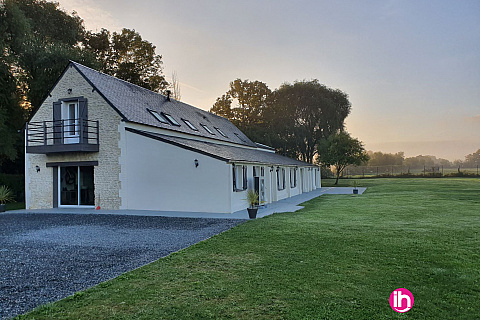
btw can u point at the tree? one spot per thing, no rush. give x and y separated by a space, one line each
40 40
472 160
299 115
175 85
244 104
385 159
341 150
127 56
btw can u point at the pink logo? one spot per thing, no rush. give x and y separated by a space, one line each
401 300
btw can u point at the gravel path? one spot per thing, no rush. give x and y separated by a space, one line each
46 257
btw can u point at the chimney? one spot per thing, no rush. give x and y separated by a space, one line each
168 95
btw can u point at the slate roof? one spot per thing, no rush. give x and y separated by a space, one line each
225 152
132 102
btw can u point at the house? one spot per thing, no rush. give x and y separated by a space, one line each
100 141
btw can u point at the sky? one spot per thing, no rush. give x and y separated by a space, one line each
411 68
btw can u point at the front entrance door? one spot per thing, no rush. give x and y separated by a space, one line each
76 186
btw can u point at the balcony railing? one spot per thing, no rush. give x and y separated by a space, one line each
66 135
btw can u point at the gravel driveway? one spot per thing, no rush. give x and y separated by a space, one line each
46 257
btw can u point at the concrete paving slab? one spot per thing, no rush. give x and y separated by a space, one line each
286 205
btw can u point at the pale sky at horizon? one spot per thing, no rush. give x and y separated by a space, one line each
411 68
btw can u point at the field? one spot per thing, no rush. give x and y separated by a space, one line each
339 258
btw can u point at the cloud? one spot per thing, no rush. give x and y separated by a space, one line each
95 18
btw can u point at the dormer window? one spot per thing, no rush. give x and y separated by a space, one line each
190 125
159 117
171 119
221 132
207 129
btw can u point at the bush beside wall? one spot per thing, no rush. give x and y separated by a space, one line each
16 182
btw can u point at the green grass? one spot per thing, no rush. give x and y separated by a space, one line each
15 206
339 258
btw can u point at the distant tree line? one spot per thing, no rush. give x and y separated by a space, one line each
37 39
399 159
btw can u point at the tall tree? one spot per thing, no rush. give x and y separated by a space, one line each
127 56
341 150
175 85
473 159
41 39
301 114
244 104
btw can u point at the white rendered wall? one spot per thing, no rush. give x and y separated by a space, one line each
161 176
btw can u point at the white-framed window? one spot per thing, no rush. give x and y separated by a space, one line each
280 179
293 177
70 118
239 178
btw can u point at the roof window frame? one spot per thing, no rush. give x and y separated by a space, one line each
239 137
221 132
160 117
170 119
190 124
204 126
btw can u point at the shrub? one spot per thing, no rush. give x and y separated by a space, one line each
16 182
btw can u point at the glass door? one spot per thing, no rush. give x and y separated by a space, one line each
70 122
76 186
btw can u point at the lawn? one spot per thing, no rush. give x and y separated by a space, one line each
339 258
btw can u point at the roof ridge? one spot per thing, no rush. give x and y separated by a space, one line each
140 87
108 75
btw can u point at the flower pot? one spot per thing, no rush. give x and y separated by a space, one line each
3 207
252 213
355 191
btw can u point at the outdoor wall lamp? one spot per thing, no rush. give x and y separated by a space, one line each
196 163
278 168
69 91
37 168
271 169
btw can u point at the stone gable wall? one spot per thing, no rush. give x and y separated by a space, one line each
39 185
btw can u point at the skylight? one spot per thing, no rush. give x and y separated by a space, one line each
158 116
238 136
207 128
171 119
190 125
221 132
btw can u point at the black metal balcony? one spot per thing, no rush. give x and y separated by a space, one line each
67 135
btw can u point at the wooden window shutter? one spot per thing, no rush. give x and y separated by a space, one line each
82 118
234 179
244 177
57 122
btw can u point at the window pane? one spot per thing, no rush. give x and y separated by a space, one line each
87 186
69 186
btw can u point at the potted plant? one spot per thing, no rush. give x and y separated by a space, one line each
252 199
6 195
355 190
